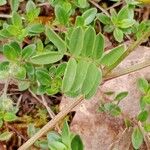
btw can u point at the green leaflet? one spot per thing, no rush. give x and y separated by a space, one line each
69 75
62 15
89 40
98 46
137 138
46 58
14 5
77 143
28 51
56 40
89 15
143 85
10 53
110 58
90 79
81 72
36 28
118 34
65 135
5 136
43 77
16 20
95 86
3 2
76 41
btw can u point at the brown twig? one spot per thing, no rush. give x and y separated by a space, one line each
51 123
99 7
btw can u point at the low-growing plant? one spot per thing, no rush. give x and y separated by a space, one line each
66 55
140 124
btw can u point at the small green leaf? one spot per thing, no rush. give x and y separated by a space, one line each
23 85
121 96
5 136
125 13
1 123
28 51
98 47
110 58
147 127
39 45
65 135
14 5
113 109
95 86
118 34
89 41
77 143
3 2
61 15
43 77
9 116
143 85
104 19
16 47
16 20
56 145
146 99
56 40
89 15
137 138
53 136
31 11
46 58
126 23
82 68
76 41
36 28
4 33
69 75
30 6
20 72
91 77
82 3
79 21
61 69
31 130
10 53
143 116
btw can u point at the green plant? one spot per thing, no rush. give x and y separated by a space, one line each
64 141
140 123
64 56
119 23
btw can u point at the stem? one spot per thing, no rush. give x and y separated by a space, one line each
51 113
121 72
131 48
5 88
99 7
51 123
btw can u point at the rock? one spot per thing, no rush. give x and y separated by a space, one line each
99 130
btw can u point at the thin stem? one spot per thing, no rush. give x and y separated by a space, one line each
131 48
5 88
121 72
51 123
51 113
8 16
99 7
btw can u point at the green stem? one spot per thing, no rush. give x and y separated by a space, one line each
131 48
